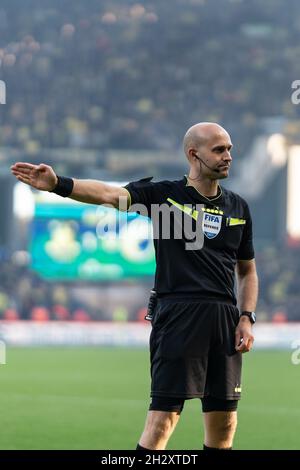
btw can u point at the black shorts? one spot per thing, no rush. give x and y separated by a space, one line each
192 350
177 404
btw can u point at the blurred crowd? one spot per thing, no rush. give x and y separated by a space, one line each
279 274
23 295
132 75
125 74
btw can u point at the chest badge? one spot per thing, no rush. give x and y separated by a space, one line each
211 224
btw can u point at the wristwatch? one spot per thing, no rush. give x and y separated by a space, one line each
250 315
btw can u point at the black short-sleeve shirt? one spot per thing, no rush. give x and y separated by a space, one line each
227 228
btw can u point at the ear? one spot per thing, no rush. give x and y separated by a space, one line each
192 153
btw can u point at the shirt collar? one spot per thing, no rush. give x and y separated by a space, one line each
194 192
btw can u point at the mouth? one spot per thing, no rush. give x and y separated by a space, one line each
224 167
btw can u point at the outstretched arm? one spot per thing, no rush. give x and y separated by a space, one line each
44 178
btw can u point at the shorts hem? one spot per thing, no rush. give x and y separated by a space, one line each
193 395
176 395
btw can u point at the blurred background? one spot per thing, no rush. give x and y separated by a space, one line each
106 89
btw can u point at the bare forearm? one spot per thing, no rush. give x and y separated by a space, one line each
90 191
97 192
248 291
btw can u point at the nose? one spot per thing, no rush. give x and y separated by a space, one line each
227 156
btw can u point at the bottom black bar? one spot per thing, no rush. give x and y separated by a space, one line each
134 459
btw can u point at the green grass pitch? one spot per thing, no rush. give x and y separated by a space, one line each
96 398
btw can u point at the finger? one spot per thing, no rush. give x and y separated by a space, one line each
21 171
42 166
16 173
240 346
23 165
250 344
20 175
245 349
23 179
247 345
238 340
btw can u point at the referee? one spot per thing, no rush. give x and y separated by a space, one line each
198 333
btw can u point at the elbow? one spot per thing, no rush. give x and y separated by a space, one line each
104 198
246 269
108 198
249 276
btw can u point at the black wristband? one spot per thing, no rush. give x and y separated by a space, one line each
64 186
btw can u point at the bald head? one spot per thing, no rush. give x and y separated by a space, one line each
201 133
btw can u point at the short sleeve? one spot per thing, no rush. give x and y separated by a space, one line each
246 249
143 193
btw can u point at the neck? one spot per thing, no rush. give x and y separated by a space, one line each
205 186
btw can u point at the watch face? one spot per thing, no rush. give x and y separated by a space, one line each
253 317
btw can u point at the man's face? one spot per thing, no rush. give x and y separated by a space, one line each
215 152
